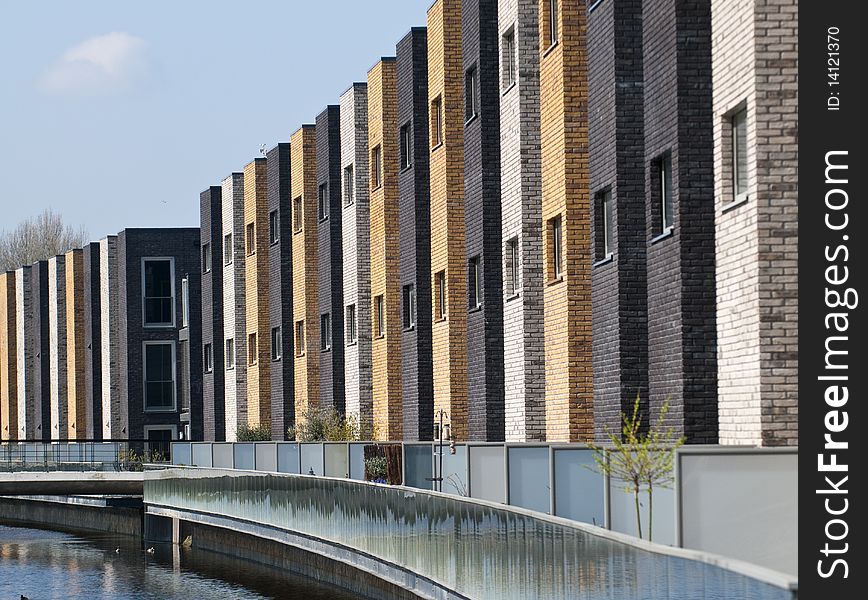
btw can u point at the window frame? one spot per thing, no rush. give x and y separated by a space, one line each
408 306
351 335
436 124
173 297
273 226
250 238
380 316
513 258
228 250
552 25
508 58
664 194
172 344
185 303
298 214
325 332
440 300
474 287
556 248
276 343
229 353
206 258
252 349
208 357
349 185
299 338
739 116
471 93
377 167
322 202
405 145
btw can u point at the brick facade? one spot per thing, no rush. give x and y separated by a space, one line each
8 358
92 338
213 381
37 333
28 401
77 402
57 345
115 416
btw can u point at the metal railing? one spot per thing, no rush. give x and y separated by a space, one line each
82 455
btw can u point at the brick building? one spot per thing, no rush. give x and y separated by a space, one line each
92 338
213 346
8 358
57 346
115 419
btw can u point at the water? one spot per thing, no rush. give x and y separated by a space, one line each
43 564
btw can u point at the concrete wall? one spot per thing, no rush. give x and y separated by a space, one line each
72 517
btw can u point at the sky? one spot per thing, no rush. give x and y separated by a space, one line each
118 114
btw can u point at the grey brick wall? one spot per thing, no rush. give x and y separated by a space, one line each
57 344
213 383
41 364
92 339
115 420
26 356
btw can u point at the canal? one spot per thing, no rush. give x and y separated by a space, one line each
40 564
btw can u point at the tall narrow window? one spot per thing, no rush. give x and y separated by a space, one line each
473 283
555 248
323 202
409 306
297 215
739 155
227 249
436 122
252 355
376 167
185 303
251 239
512 278
208 357
206 257
553 22
405 146
470 88
230 353
662 171
352 335
325 332
299 338
604 225
273 227
159 370
276 343
158 292
508 58
349 185
440 298
379 316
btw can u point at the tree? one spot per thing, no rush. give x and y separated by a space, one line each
323 424
38 238
254 433
642 460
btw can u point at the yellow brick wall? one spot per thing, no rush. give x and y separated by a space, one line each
256 294
385 251
304 267
445 80
567 303
8 346
76 402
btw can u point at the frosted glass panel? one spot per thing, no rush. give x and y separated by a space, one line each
417 465
455 477
487 473
202 455
223 456
266 457
244 457
182 453
357 461
579 488
287 457
529 482
311 459
336 464
623 512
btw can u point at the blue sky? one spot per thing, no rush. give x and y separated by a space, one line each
117 114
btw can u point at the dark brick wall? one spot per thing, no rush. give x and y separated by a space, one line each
39 297
330 262
213 406
133 244
414 218
192 336
280 291
482 216
620 315
680 267
92 334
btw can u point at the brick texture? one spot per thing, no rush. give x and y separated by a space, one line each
213 382
28 401
92 338
8 358
76 400
115 418
57 345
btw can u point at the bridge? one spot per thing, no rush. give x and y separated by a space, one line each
102 483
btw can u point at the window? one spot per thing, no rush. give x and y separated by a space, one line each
251 349
405 146
159 439
376 167
323 203
555 248
349 185
552 22
739 155
297 216
230 353
512 277
470 93
352 336
436 122
276 343
325 332
159 376
250 237
379 316
440 299
508 59
661 171
605 226
206 257
159 292
227 249
208 357
409 306
273 227
473 283
299 338
185 303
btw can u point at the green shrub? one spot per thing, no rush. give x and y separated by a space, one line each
324 424
375 469
256 433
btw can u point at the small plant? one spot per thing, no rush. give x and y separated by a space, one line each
455 481
375 469
254 433
642 460
323 424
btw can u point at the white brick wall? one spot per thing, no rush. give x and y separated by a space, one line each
114 412
27 397
234 314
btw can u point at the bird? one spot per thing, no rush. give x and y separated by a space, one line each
150 550
262 149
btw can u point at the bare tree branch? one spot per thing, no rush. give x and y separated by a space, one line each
38 238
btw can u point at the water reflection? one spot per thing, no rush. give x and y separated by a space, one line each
47 564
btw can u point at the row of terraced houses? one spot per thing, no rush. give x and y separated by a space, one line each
534 212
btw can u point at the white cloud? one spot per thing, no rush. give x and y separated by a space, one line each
106 64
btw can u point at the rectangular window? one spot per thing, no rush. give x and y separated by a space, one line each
276 343
440 298
376 167
436 122
555 248
252 355
508 59
473 283
605 226
325 332
352 336
227 249
349 186
405 146
297 215
662 171
409 306
273 227
230 354
159 376
208 357
379 316
158 291
323 202
206 257
512 276
470 88
185 303
739 154
299 338
250 238
553 22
